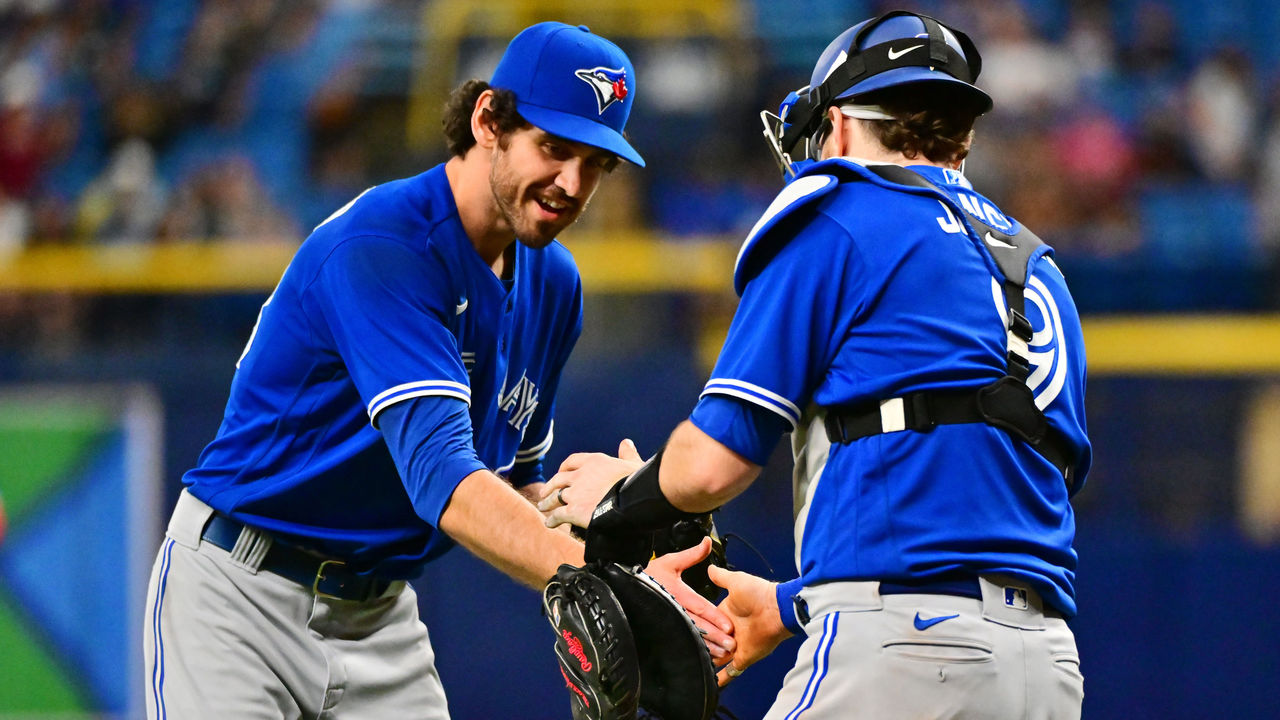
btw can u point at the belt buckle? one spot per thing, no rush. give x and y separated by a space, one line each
893 415
315 584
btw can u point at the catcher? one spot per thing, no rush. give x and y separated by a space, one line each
925 353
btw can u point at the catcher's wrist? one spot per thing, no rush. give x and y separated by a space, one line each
622 526
637 502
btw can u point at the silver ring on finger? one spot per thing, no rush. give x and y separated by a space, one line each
732 671
560 496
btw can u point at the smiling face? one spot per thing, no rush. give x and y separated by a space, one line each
541 183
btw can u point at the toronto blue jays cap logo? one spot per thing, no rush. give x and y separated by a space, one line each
545 66
609 85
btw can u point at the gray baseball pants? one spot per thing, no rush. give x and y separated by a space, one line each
891 657
223 640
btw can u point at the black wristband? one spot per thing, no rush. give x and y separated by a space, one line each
622 526
638 501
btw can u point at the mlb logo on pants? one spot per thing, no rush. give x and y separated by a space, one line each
1015 598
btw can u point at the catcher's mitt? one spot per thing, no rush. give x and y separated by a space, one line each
623 641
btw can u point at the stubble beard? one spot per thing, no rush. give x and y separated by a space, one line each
508 196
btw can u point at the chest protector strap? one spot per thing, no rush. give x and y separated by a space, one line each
1006 403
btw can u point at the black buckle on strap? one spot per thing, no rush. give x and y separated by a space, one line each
918 412
1019 325
1019 367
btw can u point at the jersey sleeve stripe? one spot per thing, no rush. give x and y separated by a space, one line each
537 452
453 388
446 392
755 394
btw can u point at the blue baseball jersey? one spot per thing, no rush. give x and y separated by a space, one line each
856 290
385 304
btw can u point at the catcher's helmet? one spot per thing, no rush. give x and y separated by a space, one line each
894 49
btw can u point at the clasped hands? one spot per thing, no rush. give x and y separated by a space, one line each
742 629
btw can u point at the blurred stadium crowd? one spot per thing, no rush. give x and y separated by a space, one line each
1140 137
141 121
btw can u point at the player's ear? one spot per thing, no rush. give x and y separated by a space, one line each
835 138
483 126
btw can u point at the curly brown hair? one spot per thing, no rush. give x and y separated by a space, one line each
937 124
457 114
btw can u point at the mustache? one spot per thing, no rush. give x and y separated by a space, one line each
555 193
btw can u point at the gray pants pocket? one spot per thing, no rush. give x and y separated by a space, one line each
941 650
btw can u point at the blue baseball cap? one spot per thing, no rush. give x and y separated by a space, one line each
571 83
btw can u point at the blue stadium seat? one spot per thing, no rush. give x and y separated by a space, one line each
1201 246
1198 223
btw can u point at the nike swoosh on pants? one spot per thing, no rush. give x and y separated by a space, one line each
926 623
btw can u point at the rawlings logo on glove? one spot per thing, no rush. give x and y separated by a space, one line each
624 643
582 696
575 649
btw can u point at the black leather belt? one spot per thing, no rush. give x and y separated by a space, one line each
323 576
